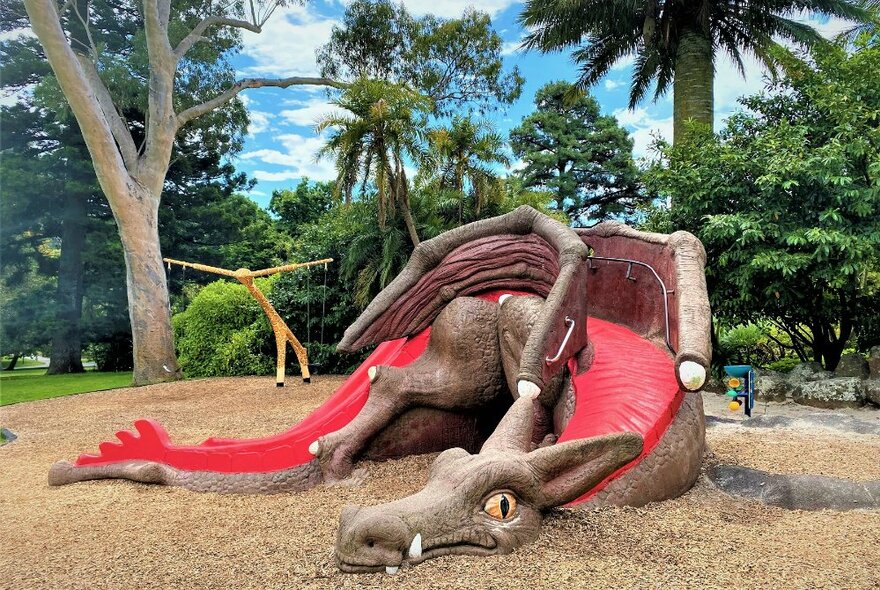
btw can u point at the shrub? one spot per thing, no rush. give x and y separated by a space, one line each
223 332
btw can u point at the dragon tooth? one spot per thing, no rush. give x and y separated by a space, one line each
415 548
391 569
314 448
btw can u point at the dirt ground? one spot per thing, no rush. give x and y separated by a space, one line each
113 534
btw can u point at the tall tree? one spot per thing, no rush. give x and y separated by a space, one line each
36 168
674 42
372 142
461 164
457 63
582 157
161 65
42 142
787 202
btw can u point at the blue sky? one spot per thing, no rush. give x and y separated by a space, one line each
281 143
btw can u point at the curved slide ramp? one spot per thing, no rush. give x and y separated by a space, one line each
630 386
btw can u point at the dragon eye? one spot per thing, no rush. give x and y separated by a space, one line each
501 506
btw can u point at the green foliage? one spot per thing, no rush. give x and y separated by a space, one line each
580 156
653 31
302 205
457 63
759 345
784 365
787 199
383 129
224 332
460 168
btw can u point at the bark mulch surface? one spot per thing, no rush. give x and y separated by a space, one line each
114 534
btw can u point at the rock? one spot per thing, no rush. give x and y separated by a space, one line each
7 436
796 492
874 362
811 371
837 392
772 387
852 364
872 390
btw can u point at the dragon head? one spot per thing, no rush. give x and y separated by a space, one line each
483 504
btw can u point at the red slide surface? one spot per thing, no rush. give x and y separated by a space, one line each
150 441
630 386
274 453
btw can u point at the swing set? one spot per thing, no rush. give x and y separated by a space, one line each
283 333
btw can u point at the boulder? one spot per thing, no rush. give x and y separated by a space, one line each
874 362
772 387
811 371
872 390
836 392
852 364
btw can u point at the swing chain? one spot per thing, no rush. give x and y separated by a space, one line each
309 307
324 304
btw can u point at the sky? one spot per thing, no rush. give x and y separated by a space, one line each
281 143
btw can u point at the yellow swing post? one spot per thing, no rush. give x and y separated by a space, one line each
283 334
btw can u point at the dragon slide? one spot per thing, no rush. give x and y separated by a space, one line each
551 366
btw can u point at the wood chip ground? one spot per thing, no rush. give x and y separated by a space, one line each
115 534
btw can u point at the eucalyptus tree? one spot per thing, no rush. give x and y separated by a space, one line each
161 66
457 63
462 163
371 143
674 42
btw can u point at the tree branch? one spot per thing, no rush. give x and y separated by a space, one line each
224 97
121 132
197 33
156 30
109 165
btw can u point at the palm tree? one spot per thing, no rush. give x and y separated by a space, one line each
460 163
869 28
674 42
371 143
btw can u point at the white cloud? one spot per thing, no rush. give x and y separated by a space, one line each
287 45
308 111
7 100
624 62
298 157
15 33
511 47
259 121
644 128
631 118
827 27
612 84
730 84
454 8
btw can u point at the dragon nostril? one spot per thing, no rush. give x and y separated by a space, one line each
371 543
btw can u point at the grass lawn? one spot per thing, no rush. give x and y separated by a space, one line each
23 362
32 384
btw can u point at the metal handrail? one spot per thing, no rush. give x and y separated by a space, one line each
630 277
570 323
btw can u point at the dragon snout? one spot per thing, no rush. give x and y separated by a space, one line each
370 540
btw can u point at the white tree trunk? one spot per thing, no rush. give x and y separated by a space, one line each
148 305
133 181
